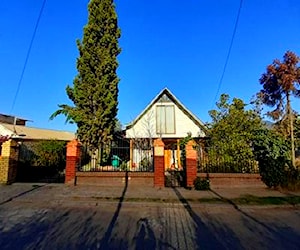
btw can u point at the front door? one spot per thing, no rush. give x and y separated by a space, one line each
174 174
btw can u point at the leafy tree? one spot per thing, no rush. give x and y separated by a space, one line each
231 133
95 90
280 82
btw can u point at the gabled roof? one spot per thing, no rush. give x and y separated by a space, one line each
172 97
29 133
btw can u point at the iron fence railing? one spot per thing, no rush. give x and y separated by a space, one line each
116 158
214 161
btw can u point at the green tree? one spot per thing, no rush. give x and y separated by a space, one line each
231 133
95 88
280 82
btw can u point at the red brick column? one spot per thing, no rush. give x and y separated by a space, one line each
73 154
159 163
191 164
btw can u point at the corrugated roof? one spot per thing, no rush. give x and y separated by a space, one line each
29 133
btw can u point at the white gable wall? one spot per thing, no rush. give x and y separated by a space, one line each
145 127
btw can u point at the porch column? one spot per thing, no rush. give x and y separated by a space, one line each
191 164
131 154
178 155
72 160
159 163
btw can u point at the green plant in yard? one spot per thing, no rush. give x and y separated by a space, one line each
50 154
292 179
272 153
124 166
145 163
201 184
182 144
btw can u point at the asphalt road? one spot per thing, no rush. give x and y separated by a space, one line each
124 225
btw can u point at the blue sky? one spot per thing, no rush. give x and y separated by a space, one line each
181 45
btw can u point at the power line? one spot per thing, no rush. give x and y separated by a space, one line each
27 55
229 50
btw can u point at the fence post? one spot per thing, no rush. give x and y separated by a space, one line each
72 159
159 163
191 163
8 161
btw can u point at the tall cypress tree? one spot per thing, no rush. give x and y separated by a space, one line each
95 88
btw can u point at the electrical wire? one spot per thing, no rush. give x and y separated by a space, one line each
229 50
27 55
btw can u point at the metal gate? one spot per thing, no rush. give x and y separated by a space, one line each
175 178
30 168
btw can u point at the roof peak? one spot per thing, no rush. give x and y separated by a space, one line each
173 98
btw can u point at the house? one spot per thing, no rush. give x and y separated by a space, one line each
24 133
166 118
16 140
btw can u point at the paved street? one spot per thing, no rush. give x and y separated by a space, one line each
42 223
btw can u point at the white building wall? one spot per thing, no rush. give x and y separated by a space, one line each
146 126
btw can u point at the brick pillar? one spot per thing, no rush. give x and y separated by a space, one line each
73 156
159 163
9 161
191 164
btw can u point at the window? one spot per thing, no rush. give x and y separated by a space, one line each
165 119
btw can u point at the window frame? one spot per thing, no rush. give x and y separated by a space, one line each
163 130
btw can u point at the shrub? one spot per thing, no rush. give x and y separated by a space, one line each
145 163
201 184
50 154
272 153
124 166
292 179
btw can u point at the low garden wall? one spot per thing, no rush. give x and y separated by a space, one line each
232 179
115 178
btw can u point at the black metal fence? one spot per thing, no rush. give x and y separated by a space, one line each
211 160
116 158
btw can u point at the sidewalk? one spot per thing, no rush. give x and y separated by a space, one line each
60 193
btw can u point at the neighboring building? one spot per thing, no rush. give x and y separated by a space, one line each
15 141
12 127
8 119
166 118
30 133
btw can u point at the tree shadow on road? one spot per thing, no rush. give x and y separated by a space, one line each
34 187
24 232
285 237
104 244
210 238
